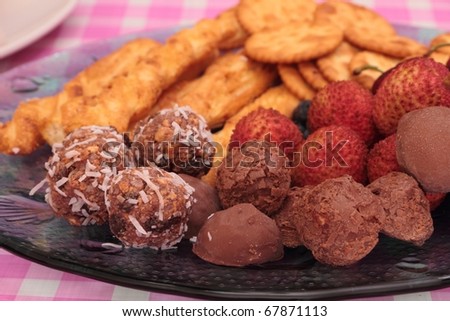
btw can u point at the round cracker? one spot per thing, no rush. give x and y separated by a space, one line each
336 66
440 57
346 15
366 18
312 75
391 45
239 35
341 14
364 58
293 43
258 15
295 82
442 38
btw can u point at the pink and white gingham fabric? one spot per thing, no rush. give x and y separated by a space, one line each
92 20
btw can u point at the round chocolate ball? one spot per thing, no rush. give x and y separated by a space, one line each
238 236
423 147
177 140
205 202
256 172
79 171
148 207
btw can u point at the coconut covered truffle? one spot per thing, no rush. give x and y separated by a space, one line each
79 172
408 215
340 221
255 173
148 207
239 236
177 140
206 202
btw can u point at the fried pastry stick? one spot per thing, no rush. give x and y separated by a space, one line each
22 134
126 99
228 84
278 98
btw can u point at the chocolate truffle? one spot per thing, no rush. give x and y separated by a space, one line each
206 201
177 140
408 216
79 171
238 236
148 207
255 173
340 221
423 145
292 206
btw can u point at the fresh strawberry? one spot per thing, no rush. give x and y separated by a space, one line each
382 160
269 125
330 152
435 199
344 103
416 83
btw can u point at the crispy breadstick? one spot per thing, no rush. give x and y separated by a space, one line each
227 85
92 80
278 98
126 99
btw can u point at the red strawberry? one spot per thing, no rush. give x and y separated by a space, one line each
435 199
269 125
330 152
344 103
415 83
382 160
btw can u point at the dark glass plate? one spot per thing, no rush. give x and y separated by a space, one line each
28 228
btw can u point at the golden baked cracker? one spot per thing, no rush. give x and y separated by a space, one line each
228 84
278 98
346 15
293 43
341 14
335 66
391 45
238 37
367 18
295 82
365 58
441 39
258 15
312 74
440 57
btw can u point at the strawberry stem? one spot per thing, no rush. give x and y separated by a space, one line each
359 70
437 47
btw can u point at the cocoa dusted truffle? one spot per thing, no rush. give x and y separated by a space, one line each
205 203
177 140
292 206
423 145
148 207
340 221
238 236
79 172
255 173
408 216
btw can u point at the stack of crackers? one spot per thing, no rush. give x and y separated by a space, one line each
261 53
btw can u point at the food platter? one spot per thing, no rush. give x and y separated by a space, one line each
28 228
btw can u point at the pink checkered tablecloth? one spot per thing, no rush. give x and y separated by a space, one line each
92 20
